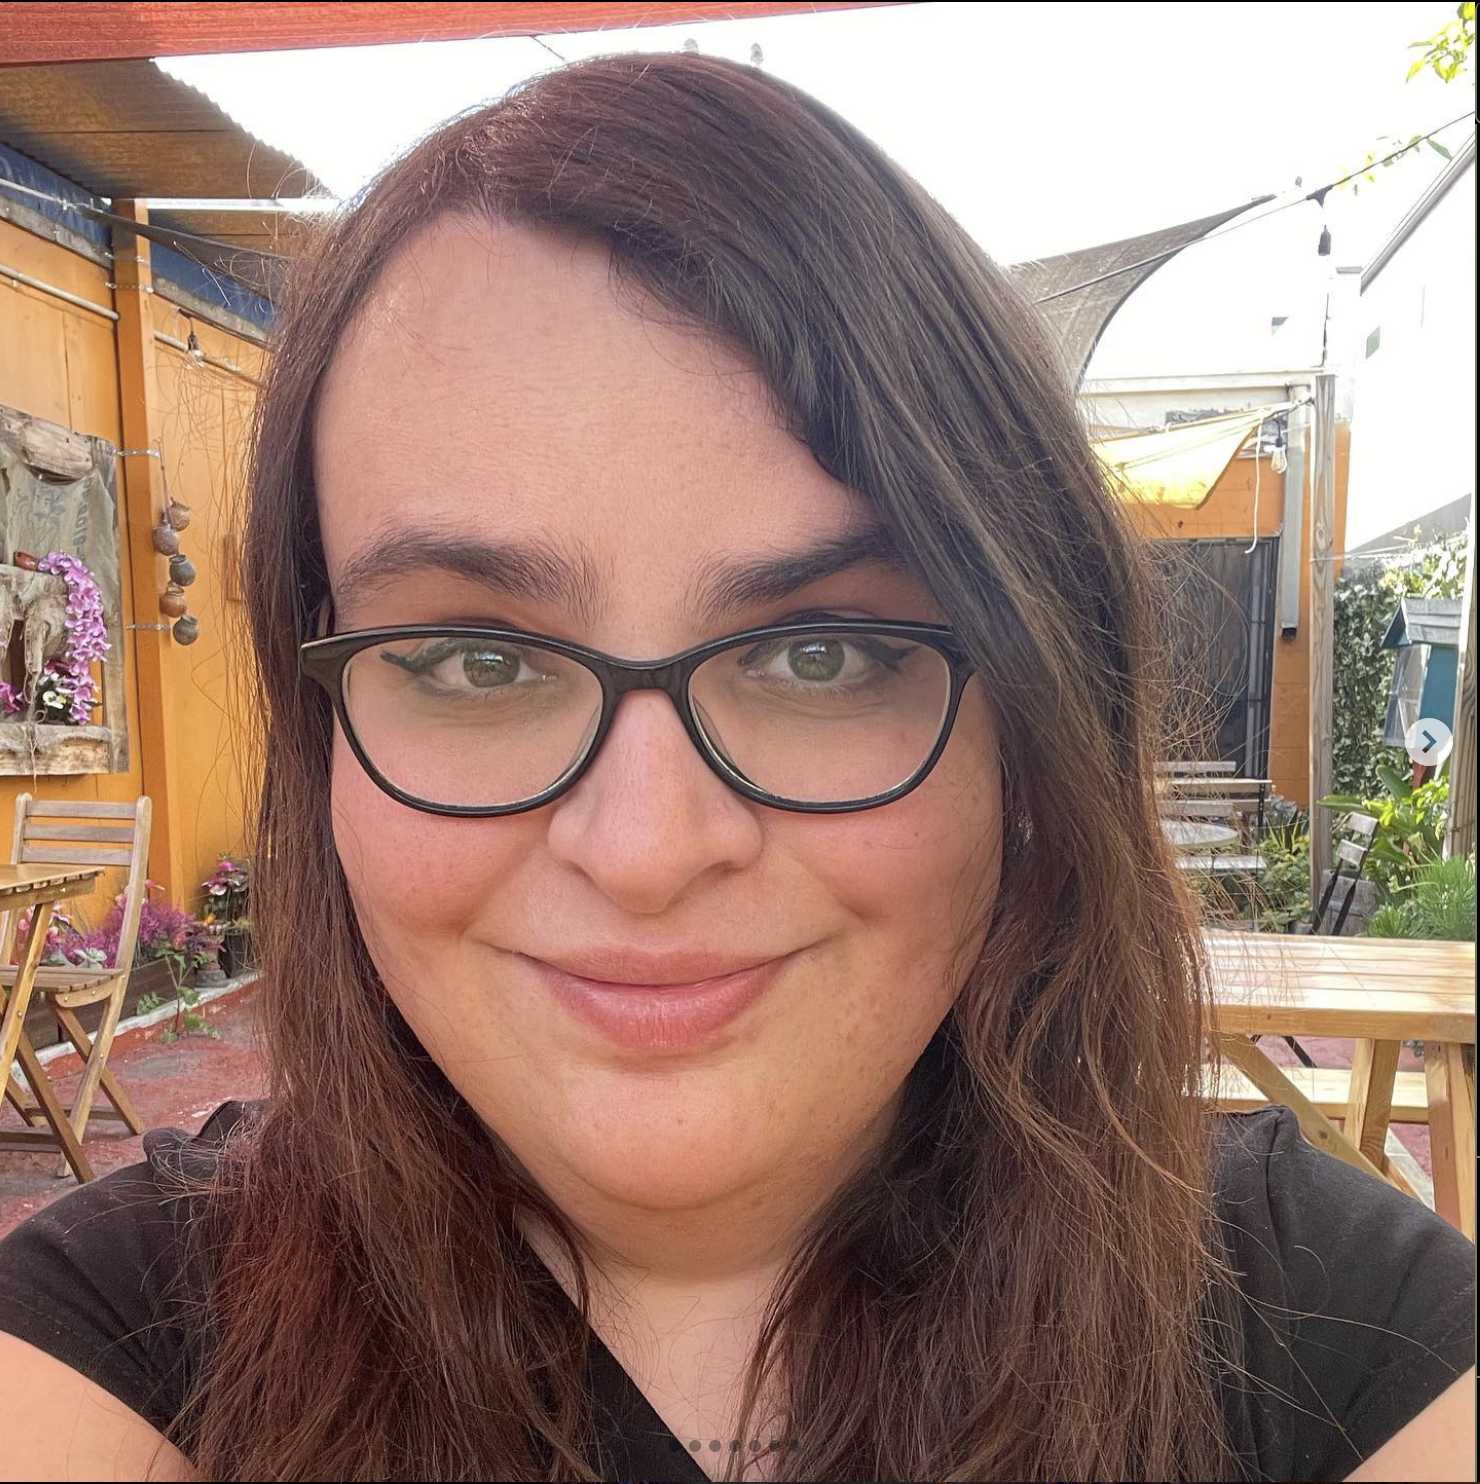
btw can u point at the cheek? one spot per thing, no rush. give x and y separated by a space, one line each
417 880
927 858
919 876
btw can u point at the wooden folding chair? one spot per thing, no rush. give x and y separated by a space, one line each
1353 836
53 833
1359 831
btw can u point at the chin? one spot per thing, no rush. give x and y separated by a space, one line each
667 1155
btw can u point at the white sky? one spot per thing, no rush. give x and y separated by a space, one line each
1042 127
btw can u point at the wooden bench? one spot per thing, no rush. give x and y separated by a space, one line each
1329 1088
1232 800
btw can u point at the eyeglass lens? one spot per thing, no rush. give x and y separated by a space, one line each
463 722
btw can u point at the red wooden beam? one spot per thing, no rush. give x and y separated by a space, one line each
75 31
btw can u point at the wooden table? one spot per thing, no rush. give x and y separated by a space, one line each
39 888
1213 784
1379 992
1189 834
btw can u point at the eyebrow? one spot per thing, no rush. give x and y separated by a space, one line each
720 588
534 570
540 572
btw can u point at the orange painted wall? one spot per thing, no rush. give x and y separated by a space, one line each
60 363
1229 511
203 414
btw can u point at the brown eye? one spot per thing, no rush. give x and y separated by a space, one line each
490 667
817 659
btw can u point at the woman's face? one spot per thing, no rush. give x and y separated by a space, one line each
494 392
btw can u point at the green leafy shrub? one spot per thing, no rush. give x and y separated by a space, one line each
1439 904
1410 825
1282 894
1364 602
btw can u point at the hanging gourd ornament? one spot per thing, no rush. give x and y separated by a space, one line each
187 629
178 515
166 542
173 602
182 569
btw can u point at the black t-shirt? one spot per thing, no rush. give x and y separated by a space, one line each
1357 1304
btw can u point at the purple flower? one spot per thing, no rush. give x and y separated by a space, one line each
66 684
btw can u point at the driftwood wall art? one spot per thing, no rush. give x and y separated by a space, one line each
58 492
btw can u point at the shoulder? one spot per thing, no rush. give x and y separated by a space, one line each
1355 1303
104 1278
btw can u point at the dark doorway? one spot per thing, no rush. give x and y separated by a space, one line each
1217 616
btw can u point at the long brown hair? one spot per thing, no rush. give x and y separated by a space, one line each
1016 1288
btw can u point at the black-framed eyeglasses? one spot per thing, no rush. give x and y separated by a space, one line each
824 717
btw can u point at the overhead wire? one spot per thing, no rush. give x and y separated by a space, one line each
1318 196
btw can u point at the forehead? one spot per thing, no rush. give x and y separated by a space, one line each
499 381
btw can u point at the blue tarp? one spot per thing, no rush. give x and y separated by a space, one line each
169 266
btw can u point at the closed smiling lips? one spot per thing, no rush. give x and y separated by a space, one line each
661 1003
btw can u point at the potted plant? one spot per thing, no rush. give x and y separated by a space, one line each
228 892
172 945
1410 825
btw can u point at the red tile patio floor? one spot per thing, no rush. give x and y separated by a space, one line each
180 1085
177 1085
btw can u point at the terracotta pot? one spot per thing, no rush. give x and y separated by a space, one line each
178 515
187 629
182 570
173 602
166 542
25 561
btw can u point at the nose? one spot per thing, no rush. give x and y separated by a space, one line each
649 818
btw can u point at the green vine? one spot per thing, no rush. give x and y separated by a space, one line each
1364 602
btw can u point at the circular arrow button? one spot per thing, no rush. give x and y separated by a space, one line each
1428 741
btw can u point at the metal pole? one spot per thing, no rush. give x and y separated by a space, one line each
1460 837
14 276
1322 541
1292 521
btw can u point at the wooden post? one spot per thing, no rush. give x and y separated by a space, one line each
1459 839
1322 534
143 507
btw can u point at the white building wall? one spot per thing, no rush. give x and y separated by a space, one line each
1413 423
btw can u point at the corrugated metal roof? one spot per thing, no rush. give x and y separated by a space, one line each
127 129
